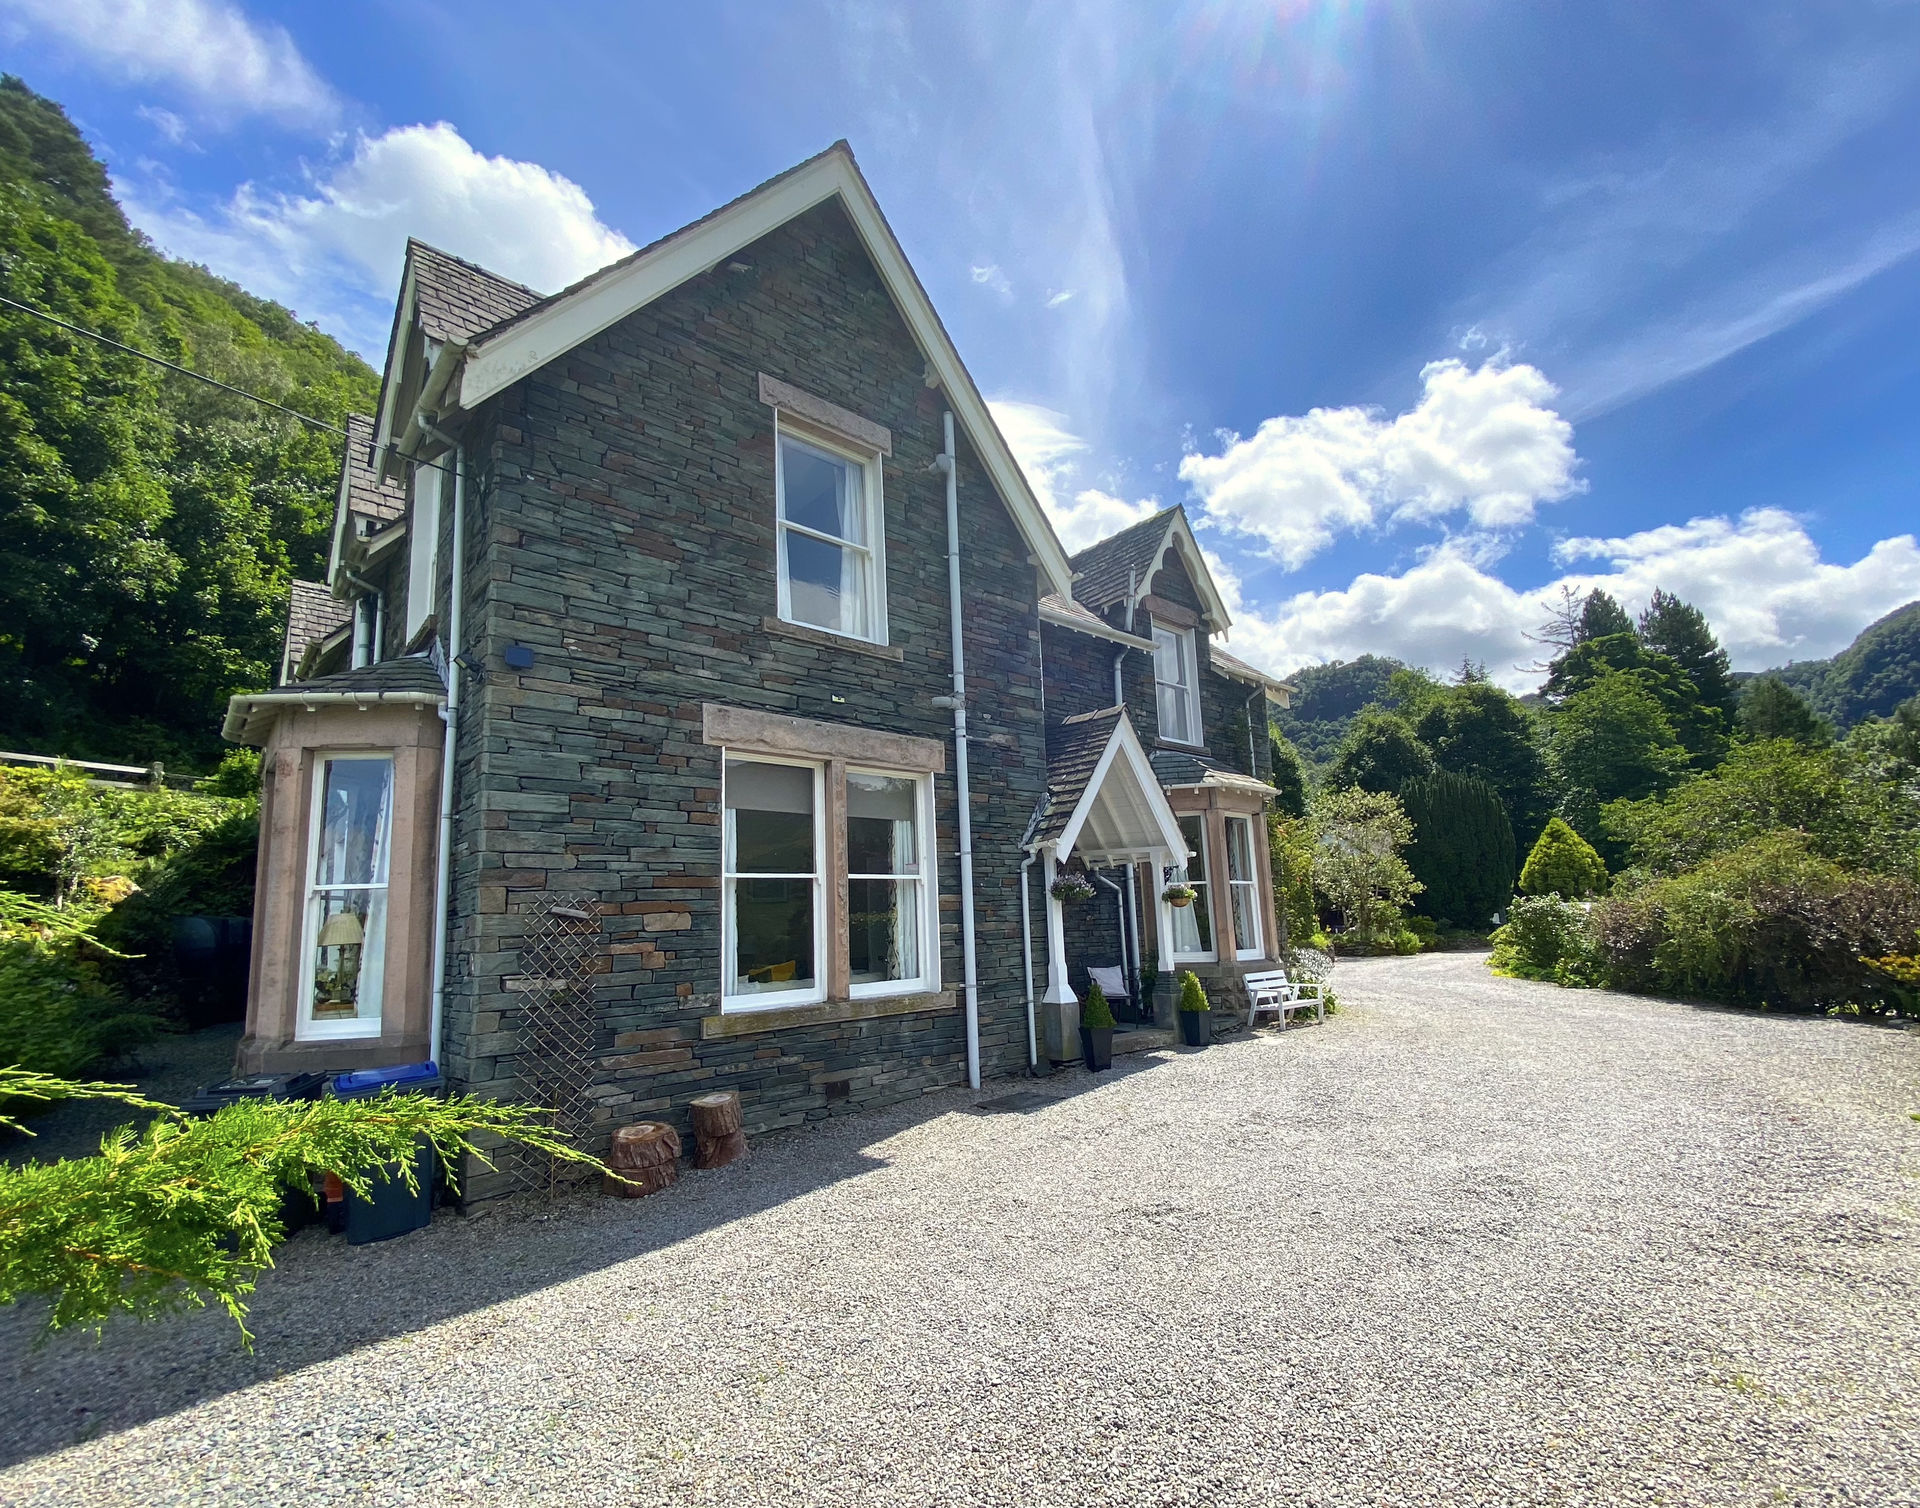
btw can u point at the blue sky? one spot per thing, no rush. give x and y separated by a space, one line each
1423 309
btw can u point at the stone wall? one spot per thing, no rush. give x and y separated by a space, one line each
621 526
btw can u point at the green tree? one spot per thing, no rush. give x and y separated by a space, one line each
1463 850
1327 697
1770 708
1359 838
1602 617
1701 729
1479 730
1290 850
1563 863
1289 777
1679 631
1613 738
1379 753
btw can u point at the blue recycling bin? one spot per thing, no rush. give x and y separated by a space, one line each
390 1208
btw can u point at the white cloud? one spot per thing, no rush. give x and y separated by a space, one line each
1049 453
231 66
1759 579
337 251
989 275
1480 439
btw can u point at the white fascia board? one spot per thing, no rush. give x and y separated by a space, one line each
1181 534
395 369
495 364
1125 745
337 554
1095 629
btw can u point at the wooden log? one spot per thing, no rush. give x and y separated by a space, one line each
644 1159
716 1114
718 1151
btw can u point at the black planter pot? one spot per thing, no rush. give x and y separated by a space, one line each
1096 1047
1196 1028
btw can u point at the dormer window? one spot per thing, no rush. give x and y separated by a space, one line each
1176 678
832 571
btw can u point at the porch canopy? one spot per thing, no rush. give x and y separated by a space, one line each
1104 806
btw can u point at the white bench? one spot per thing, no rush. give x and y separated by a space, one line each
1273 991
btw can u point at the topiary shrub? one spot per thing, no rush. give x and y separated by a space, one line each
1095 1013
1192 996
1563 863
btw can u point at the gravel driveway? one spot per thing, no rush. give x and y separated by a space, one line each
1473 1241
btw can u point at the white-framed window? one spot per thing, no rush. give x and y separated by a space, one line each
889 898
1244 888
1193 923
831 545
346 914
773 899
423 544
1176 678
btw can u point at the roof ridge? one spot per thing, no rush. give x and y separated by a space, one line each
471 266
1132 528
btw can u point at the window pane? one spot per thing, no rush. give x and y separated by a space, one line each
350 933
826 584
882 825
1174 721
353 823
883 930
1239 856
772 936
821 491
1193 924
1246 922
769 818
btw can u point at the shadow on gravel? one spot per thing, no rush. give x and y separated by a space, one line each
325 1299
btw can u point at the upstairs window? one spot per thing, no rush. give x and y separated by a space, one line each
832 572
1176 677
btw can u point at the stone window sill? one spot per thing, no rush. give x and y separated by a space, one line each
831 641
827 1013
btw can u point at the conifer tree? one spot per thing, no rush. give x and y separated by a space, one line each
1773 709
1563 863
1602 616
1679 630
1463 849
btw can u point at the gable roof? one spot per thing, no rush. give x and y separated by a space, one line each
1066 613
1105 572
313 614
1102 795
540 332
364 494
456 299
1235 668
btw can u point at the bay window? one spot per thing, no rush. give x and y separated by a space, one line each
771 875
831 562
1193 923
1176 679
1244 888
346 911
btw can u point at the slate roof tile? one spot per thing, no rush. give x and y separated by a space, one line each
1073 751
457 299
313 614
1102 570
368 494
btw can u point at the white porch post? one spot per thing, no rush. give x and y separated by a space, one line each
1163 914
1059 991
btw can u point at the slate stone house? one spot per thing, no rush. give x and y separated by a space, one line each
689 600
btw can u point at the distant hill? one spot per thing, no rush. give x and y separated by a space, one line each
1327 697
1870 677
149 524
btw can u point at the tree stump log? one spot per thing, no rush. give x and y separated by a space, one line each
717 1136
645 1157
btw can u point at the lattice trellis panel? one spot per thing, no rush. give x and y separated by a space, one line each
558 960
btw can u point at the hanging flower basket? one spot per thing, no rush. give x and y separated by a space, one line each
1179 895
1070 890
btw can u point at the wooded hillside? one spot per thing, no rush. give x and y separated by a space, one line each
149 524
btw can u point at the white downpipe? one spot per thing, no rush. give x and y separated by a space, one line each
950 465
443 877
1026 965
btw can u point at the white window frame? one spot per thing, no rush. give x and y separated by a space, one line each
305 1027
928 979
1182 639
874 504
1251 885
1202 882
769 1000
423 545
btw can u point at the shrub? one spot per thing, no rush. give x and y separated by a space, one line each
1547 938
57 1016
1094 1010
1290 847
1462 851
1563 863
1192 996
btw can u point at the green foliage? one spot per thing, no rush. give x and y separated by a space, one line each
1870 677
1380 753
1768 923
188 1211
1602 618
1887 749
1477 729
1770 709
1289 778
1192 996
1358 839
1840 810
57 1013
59 830
1463 851
1563 863
1327 697
1612 737
1290 849
1149 974
1547 938
237 776
1699 728
1095 1012
1679 631
149 525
